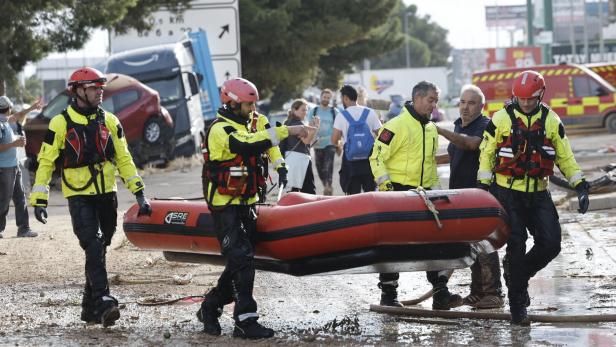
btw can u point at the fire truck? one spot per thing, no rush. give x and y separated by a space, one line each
607 71
577 94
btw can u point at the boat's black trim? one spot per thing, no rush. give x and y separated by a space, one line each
341 260
205 225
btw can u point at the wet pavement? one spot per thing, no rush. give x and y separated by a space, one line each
40 294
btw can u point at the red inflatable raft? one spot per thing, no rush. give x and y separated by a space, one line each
308 234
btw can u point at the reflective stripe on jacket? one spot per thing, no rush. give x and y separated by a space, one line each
227 139
52 148
405 151
499 129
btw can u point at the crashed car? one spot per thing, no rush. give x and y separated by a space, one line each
147 125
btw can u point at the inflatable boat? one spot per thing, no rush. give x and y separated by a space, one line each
309 234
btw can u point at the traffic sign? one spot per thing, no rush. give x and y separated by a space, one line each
225 69
220 23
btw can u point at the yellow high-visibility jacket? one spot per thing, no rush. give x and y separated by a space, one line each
497 131
405 151
228 138
53 146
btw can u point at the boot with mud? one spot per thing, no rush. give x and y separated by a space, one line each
389 295
519 316
442 299
251 329
208 314
106 311
87 307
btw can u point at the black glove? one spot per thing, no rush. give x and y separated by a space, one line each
144 204
282 176
582 192
40 213
483 186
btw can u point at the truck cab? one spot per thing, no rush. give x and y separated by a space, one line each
168 69
579 96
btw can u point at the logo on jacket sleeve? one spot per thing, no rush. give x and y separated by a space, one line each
176 218
386 136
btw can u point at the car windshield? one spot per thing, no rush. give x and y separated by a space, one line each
169 89
56 106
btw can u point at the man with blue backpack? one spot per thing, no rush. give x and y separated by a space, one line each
357 126
404 158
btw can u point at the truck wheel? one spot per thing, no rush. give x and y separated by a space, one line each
610 123
152 130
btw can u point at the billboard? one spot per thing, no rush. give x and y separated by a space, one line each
506 16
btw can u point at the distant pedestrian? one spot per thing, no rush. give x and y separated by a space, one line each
11 185
297 150
324 150
357 127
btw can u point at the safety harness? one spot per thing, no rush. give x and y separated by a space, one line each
526 151
237 177
87 145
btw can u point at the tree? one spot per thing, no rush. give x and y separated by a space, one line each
31 29
283 42
427 41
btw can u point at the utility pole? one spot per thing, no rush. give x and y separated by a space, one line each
529 22
586 52
572 34
548 20
601 44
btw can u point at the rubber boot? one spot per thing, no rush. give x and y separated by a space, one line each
87 307
209 313
442 299
251 329
106 311
519 316
389 295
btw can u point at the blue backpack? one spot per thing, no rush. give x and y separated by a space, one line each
359 139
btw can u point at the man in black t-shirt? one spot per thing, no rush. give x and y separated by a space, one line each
463 156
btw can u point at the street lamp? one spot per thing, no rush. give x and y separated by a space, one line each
406 39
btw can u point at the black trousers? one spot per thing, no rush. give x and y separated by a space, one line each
235 229
537 213
94 219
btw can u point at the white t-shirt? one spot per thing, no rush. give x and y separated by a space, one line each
355 111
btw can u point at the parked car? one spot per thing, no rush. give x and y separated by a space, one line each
148 127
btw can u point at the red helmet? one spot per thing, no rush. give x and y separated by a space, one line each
87 77
238 90
528 84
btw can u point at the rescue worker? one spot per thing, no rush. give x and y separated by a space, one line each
404 158
260 122
230 185
90 145
463 157
520 146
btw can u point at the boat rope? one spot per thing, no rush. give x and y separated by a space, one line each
422 192
543 318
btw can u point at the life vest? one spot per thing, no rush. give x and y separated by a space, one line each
526 151
237 177
86 145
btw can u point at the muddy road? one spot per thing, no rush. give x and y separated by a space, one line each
41 281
